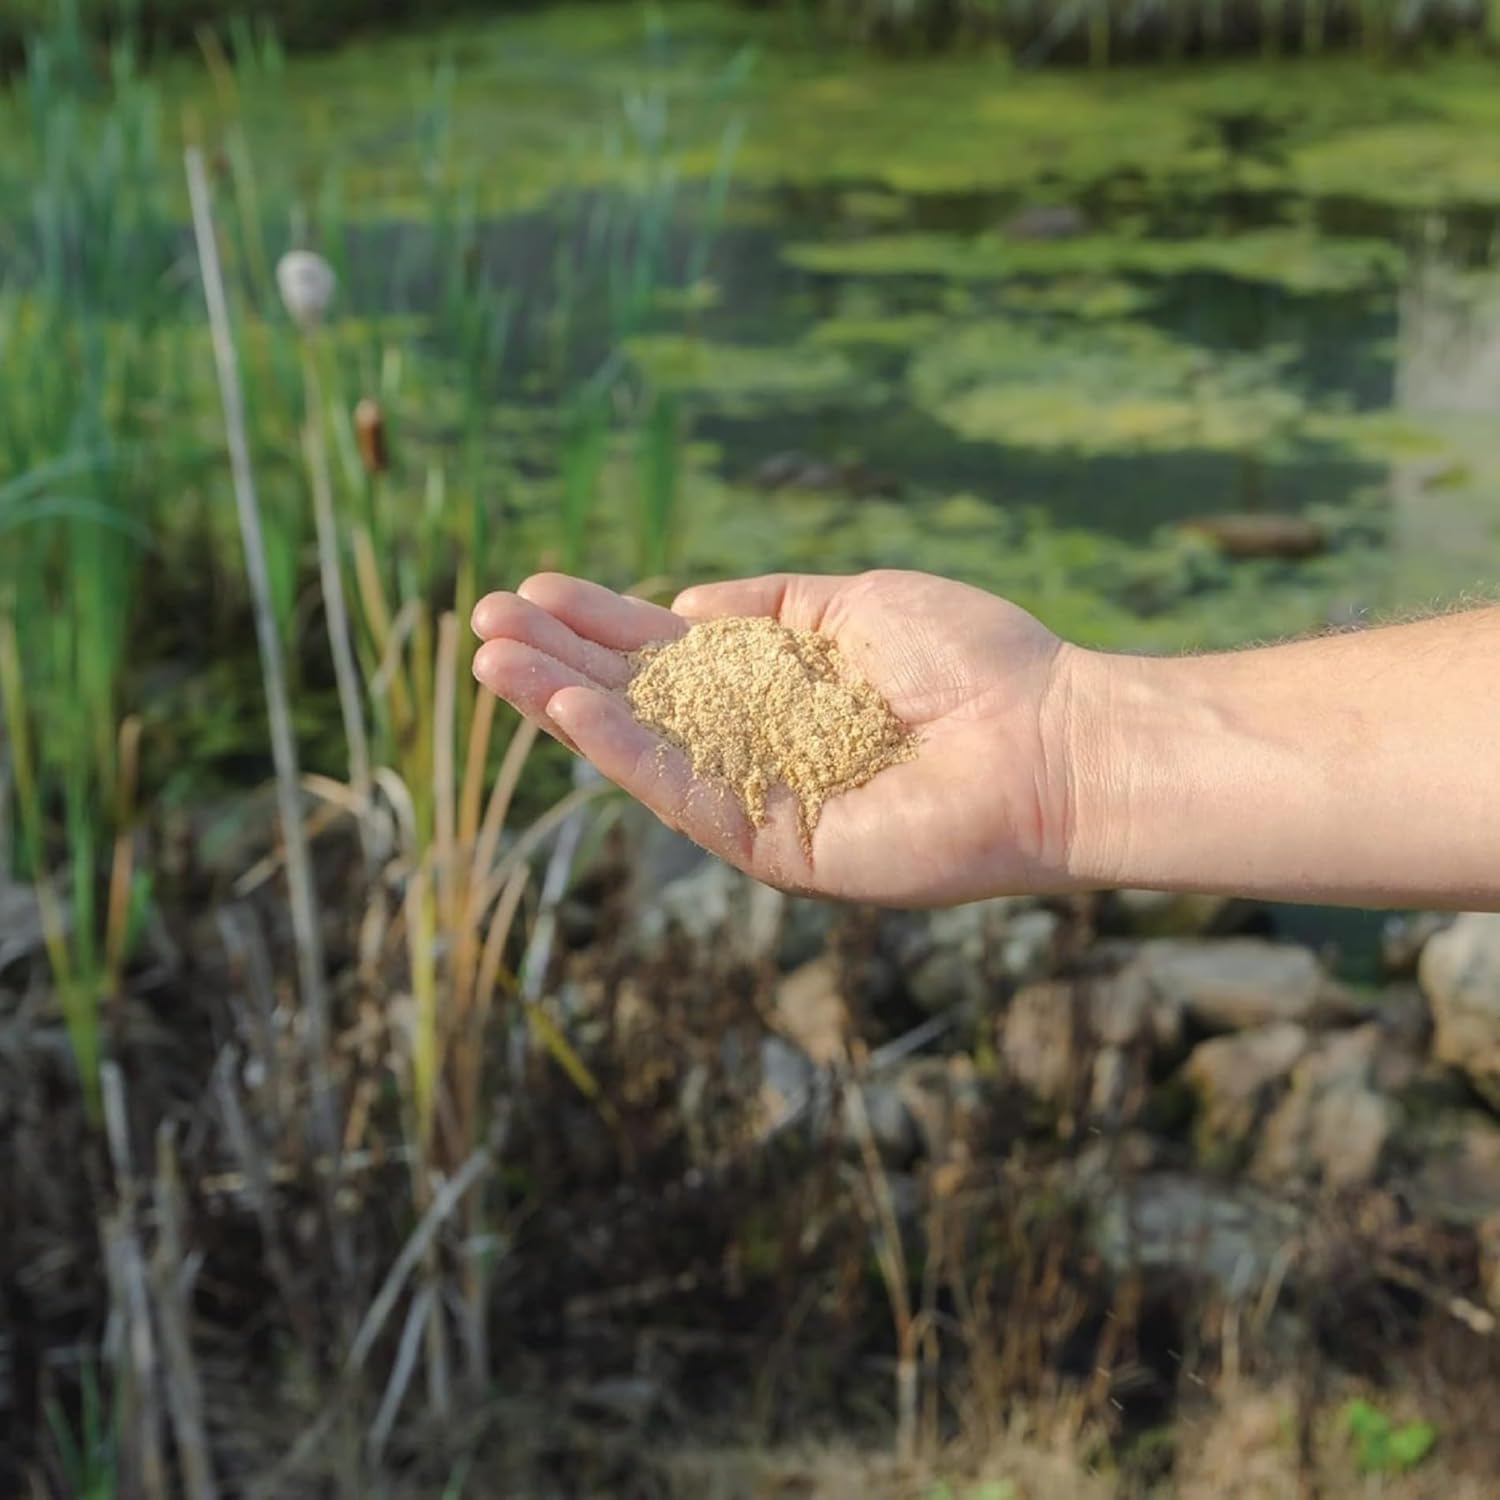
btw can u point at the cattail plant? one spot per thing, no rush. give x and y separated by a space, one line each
306 283
283 743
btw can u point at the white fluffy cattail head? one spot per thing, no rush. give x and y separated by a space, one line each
306 283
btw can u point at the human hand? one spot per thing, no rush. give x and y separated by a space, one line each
983 806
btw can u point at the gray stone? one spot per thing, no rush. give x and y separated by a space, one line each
1236 1077
1237 983
713 907
957 956
1111 1079
1334 1126
1171 1220
1402 939
804 930
1458 1178
20 922
890 1123
1459 972
1029 946
1088 1041
789 1085
1127 1011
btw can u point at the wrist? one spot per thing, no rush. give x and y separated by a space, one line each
1208 774
1093 739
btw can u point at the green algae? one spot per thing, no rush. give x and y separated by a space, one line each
537 97
1097 388
1296 258
735 373
893 331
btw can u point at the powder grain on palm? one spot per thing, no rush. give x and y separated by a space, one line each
753 703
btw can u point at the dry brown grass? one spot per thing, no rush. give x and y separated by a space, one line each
1244 1447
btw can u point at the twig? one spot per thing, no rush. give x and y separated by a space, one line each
881 1215
1478 1319
184 1391
125 1262
538 954
336 616
417 1320
246 944
444 1201
278 708
245 1146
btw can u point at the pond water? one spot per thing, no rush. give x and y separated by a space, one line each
1011 326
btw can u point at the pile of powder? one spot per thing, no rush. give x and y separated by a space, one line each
753 703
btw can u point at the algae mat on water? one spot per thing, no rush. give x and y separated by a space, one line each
532 99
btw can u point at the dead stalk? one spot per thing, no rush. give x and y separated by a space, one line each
180 1371
283 743
340 643
131 1331
885 1232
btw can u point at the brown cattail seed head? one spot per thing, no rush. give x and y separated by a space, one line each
369 432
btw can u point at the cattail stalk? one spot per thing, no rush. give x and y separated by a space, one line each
278 709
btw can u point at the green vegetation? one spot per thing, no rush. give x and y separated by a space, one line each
1301 260
1382 1446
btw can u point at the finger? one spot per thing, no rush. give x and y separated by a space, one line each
508 616
599 614
652 771
798 600
524 676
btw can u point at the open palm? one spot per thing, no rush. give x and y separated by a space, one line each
981 807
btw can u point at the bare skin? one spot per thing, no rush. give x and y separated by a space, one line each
1356 769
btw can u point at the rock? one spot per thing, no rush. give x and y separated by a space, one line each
1110 1081
1088 1040
1028 948
1170 1220
20 922
957 956
1235 1077
1041 1040
1458 1178
1459 972
1335 1133
890 1123
1260 534
1402 939
1237 983
1127 1011
1167 914
811 1011
789 1083
805 928
715 908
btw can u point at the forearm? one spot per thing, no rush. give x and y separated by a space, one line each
1361 768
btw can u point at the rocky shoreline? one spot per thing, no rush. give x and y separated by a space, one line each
1208 1095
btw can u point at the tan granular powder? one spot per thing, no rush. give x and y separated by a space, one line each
753 704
